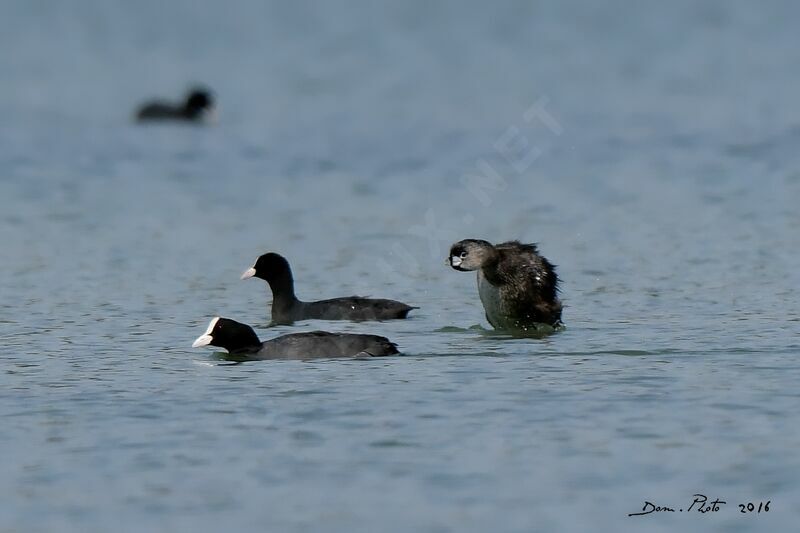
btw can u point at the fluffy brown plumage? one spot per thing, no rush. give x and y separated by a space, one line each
517 286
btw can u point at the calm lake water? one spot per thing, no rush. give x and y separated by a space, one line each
649 148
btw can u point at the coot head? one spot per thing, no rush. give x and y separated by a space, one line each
470 254
199 99
199 105
269 266
228 334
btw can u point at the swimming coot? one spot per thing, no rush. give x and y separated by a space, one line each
517 286
286 308
198 107
241 341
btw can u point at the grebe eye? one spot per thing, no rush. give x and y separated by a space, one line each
463 255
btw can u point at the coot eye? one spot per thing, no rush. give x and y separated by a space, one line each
463 255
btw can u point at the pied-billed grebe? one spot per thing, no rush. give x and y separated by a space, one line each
518 287
286 308
241 341
198 107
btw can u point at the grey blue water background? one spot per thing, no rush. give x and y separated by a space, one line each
650 148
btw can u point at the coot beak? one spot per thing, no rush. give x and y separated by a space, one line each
249 273
202 340
206 338
211 115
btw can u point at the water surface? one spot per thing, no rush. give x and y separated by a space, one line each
665 188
